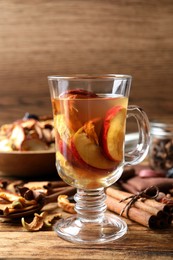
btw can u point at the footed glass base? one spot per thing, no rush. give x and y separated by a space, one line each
74 230
92 224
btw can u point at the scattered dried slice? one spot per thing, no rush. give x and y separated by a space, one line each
8 196
37 185
50 217
10 212
11 203
44 219
36 224
65 204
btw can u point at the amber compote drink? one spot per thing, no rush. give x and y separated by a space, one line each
90 120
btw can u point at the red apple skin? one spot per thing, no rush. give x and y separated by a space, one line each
116 132
77 156
67 152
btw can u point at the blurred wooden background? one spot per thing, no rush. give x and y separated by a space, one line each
44 37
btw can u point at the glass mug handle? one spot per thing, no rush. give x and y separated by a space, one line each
139 153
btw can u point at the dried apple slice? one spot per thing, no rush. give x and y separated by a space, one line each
113 133
28 123
17 136
33 145
88 152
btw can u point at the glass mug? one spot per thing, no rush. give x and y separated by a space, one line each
90 113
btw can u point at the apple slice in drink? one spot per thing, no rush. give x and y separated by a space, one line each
66 151
88 152
70 108
78 93
64 135
71 115
63 130
113 133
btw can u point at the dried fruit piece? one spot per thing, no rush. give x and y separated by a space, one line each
6 145
13 135
44 219
50 217
33 145
64 203
8 196
36 224
17 136
29 123
13 203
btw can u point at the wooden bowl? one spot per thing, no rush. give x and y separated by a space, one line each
28 164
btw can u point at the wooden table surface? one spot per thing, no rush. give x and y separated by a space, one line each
139 243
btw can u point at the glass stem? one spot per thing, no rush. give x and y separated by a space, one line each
90 205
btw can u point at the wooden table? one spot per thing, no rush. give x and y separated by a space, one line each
139 243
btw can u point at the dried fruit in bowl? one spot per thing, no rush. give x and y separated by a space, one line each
32 133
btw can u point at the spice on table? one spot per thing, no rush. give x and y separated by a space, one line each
40 220
156 215
26 201
137 184
65 204
161 148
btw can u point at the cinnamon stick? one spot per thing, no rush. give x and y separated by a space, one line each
55 184
157 205
149 205
140 216
143 213
66 191
55 190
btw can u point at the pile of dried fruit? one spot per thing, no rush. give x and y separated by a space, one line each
43 201
31 133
